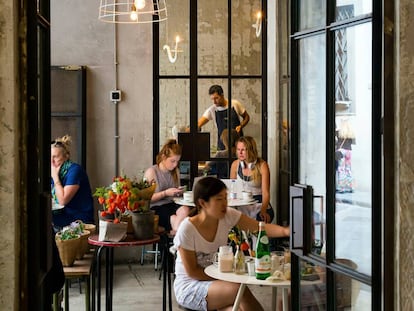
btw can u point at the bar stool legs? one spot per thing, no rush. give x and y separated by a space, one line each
156 252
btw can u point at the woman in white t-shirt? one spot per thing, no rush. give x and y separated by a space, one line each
198 239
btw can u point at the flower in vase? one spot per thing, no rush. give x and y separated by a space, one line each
124 195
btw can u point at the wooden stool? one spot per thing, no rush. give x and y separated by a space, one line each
80 269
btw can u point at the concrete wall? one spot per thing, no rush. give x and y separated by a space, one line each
9 157
116 57
83 40
405 175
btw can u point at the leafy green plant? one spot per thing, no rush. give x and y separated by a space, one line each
73 231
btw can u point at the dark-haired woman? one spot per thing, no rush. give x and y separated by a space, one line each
199 237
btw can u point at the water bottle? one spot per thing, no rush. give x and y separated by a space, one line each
233 194
263 262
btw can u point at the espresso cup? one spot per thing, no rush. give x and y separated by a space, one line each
247 195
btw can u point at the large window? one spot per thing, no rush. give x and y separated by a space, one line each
217 45
335 124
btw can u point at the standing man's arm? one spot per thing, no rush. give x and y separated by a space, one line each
242 112
245 119
203 120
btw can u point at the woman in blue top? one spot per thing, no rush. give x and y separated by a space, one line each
70 186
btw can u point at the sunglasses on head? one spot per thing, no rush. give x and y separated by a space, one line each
55 143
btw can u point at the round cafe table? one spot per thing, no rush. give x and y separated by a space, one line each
109 262
244 280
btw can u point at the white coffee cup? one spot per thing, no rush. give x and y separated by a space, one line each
247 195
188 196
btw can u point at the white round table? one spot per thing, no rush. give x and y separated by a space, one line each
244 280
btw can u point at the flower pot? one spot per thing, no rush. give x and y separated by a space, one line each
67 249
143 224
113 232
90 227
128 219
83 245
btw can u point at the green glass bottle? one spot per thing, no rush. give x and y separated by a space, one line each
263 262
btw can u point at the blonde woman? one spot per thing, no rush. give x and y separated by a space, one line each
254 173
166 175
69 185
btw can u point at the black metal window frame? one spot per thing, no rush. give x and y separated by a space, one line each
377 234
194 77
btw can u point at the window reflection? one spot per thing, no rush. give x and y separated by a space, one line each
346 9
353 147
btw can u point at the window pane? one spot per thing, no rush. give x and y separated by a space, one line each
249 93
174 110
204 102
346 9
176 25
312 113
312 286
246 46
312 128
353 144
212 37
350 294
312 14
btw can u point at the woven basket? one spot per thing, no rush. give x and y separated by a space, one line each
67 249
84 245
90 227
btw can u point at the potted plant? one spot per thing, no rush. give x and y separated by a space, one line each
127 196
68 242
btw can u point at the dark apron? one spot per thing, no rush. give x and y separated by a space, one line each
221 121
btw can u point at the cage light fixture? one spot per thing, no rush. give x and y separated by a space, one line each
132 11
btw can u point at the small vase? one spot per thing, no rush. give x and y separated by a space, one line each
143 224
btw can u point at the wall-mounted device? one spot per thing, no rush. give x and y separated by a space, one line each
115 96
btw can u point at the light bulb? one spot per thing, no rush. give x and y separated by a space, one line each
258 24
133 15
140 4
177 39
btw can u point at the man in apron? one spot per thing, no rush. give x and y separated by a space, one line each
218 112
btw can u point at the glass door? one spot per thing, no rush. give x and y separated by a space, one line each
334 132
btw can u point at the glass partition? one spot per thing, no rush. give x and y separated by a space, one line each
246 42
174 116
174 39
213 36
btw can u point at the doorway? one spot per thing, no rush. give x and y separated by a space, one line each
336 174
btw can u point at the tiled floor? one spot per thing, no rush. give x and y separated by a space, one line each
137 287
